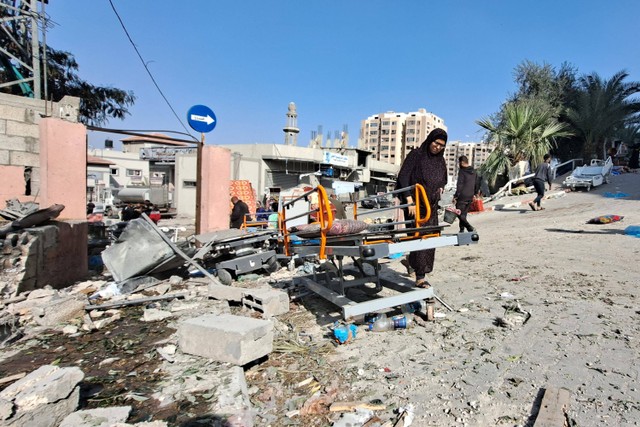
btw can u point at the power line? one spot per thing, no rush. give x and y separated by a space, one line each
144 64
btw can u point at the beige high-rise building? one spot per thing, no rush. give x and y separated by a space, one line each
390 136
476 152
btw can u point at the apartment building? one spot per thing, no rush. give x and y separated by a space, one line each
391 135
476 152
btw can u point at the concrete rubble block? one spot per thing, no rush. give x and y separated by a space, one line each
226 338
42 398
46 292
99 417
231 395
228 293
270 302
61 310
154 315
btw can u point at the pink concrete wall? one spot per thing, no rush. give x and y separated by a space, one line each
12 184
216 173
63 167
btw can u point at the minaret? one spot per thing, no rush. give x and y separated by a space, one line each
291 129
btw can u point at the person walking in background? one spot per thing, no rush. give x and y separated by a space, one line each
542 174
155 214
425 166
260 215
467 187
238 212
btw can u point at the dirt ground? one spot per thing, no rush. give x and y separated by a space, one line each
572 322
579 283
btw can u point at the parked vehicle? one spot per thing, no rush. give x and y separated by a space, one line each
377 203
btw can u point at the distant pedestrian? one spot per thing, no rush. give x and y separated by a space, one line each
467 187
260 215
238 213
128 213
155 215
542 175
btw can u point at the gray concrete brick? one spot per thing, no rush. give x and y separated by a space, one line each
14 143
4 157
3 127
268 301
226 338
12 112
225 293
22 129
21 158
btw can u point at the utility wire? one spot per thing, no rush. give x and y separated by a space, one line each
144 64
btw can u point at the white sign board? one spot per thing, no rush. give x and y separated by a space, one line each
335 159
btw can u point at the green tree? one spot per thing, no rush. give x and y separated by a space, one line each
601 107
98 104
525 133
545 86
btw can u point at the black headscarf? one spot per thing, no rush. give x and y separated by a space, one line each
423 167
437 133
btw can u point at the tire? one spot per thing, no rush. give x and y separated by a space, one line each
271 265
225 277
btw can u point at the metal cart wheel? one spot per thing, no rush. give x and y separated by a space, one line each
225 277
271 265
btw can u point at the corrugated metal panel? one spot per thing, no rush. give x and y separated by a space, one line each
282 180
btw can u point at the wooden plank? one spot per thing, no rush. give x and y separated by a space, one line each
12 378
553 408
352 406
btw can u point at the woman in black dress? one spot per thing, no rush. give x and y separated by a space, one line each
425 166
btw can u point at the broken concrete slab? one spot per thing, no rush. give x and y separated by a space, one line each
232 397
42 398
226 338
60 310
154 315
99 417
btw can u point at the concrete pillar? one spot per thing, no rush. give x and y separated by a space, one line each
216 175
63 167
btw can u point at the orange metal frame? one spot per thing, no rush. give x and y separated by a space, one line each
325 219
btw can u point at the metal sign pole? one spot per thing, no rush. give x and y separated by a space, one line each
199 183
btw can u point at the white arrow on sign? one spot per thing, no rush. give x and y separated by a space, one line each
207 119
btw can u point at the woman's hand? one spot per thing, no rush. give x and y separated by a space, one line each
412 208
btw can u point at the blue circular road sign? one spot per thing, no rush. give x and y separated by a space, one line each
201 118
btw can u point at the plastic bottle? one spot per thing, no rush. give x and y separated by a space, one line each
389 324
368 318
412 307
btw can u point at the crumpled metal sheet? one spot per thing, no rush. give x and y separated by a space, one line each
138 250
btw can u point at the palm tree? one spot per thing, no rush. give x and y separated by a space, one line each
602 106
525 133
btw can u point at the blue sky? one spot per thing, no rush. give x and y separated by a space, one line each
339 61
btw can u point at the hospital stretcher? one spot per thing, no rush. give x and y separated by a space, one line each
331 280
